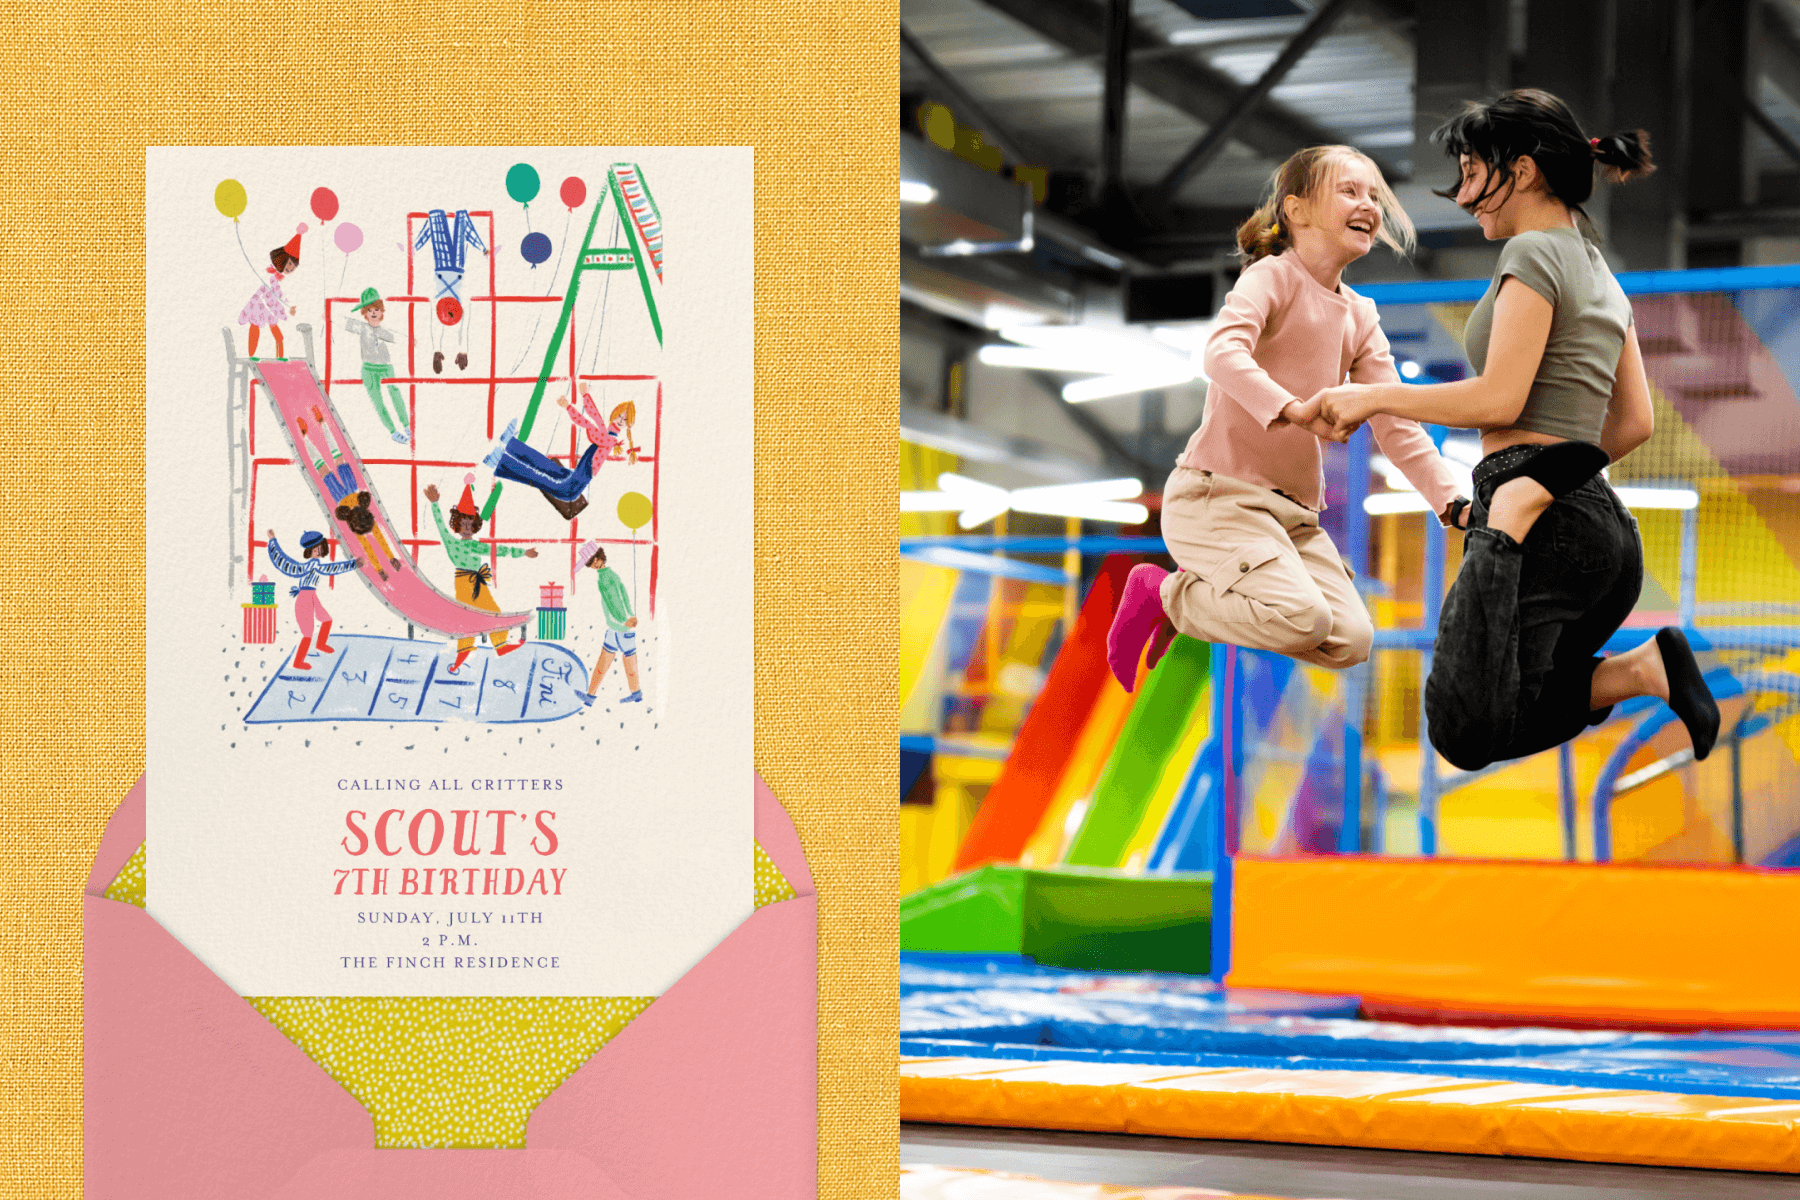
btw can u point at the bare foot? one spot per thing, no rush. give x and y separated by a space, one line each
1517 505
1637 672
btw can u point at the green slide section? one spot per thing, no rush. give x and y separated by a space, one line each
1139 757
977 912
1096 920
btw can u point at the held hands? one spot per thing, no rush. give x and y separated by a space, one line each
1346 407
1306 414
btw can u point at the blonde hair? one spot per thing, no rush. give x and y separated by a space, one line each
628 408
1306 174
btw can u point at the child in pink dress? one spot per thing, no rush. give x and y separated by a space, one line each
1240 512
268 306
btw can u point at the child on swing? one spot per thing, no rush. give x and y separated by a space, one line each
1241 511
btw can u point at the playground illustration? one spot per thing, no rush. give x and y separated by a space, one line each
450 441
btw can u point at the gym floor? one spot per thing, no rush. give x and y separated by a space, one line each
1314 1171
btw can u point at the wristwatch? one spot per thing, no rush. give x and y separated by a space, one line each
1452 511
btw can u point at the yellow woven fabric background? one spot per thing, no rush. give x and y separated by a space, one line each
811 88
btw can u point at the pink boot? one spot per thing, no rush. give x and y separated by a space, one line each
1140 612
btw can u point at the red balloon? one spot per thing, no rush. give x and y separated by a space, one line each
573 191
324 203
449 311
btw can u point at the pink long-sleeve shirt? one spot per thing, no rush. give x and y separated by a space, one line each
1273 343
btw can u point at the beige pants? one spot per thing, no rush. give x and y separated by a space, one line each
1257 571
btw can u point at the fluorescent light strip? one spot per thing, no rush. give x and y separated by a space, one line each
978 503
913 192
1033 358
1643 497
1634 497
1384 503
1083 390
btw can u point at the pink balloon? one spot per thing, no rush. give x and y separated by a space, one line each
348 237
573 191
324 203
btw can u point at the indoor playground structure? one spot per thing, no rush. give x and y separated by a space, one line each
1248 901
444 438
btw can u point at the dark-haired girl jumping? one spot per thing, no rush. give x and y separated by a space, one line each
1552 564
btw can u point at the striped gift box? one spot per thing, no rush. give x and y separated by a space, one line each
259 624
553 623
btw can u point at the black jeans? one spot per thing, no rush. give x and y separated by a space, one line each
1516 648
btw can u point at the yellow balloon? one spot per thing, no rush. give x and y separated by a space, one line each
229 198
634 510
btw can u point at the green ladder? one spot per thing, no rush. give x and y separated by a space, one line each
641 221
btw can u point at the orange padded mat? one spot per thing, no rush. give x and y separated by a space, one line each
1517 943
1397 1111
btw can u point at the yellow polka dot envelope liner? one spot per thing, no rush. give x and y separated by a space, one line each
706 1090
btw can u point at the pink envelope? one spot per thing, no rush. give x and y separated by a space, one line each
711 1091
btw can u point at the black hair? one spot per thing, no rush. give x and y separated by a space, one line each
599 553
1527 121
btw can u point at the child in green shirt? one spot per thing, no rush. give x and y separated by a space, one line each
621 625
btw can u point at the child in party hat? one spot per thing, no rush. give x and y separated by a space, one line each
268 306
474 578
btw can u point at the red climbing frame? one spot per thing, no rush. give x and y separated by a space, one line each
412 381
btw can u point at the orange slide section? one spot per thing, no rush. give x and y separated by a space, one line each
1016 803
1513 942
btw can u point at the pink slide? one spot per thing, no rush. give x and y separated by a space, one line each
322 453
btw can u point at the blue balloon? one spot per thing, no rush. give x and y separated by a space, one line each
535 248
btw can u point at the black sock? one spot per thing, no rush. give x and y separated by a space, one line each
1689 696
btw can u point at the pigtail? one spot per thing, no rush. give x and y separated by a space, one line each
1624 156
1262 234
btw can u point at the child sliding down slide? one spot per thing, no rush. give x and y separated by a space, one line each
1241 511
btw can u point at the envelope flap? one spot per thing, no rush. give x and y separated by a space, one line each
451 1175
775 833
124 834
179 1070
713 1091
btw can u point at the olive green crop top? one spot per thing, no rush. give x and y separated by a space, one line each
1574 381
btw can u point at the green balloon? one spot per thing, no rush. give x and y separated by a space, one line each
522 183
634 510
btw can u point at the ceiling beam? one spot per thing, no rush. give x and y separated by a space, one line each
994 133
1191 85
1781 53
1116 72
1201 153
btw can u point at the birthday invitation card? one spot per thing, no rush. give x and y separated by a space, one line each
448 565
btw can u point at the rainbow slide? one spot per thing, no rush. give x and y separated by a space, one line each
1123 759
325 454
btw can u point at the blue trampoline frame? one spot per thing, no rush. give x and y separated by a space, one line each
1219 805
